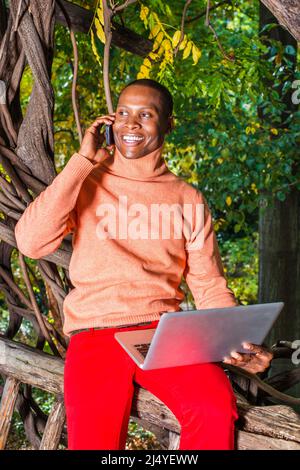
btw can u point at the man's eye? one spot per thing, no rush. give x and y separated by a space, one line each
124 113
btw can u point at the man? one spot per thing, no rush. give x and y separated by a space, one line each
124 278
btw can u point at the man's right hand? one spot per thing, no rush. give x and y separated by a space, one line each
93 139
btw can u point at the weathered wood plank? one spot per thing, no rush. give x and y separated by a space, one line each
249 441
31 366
8 400
174 440
277 421
54 427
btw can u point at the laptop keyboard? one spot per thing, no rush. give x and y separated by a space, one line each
143 348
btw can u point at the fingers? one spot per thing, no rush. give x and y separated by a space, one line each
253 347
108 119
258 361
260 351
252 365
238 359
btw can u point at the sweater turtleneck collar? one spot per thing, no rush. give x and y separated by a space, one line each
146 167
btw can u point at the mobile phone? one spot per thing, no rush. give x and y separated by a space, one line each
109 135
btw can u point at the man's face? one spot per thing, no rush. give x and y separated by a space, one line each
140 124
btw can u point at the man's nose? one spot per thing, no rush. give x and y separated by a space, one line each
132 122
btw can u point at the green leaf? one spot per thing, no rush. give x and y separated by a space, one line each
281 196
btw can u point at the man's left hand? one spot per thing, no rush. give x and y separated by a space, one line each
254 363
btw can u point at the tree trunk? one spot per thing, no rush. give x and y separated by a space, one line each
287 13
279 229
279 234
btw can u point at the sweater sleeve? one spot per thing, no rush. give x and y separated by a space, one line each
52 215
204 272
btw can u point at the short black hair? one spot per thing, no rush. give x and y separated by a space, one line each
165 93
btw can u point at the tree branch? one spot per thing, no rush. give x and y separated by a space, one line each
125 5
208 23
203 13
187 3
81 20
35 307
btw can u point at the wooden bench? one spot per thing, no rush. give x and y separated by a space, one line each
19 364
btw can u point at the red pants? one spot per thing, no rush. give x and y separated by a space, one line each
98 392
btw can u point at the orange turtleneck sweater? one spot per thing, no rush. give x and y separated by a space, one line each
124 268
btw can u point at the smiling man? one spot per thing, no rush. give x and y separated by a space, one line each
124 283
143 119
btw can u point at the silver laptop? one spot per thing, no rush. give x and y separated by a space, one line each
197 336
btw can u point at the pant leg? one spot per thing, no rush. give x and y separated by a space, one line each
98 391
201 398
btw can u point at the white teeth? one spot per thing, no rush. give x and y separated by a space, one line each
132 138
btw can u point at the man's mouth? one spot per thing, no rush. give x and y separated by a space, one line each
132 139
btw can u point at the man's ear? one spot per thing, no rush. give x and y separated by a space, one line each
171 124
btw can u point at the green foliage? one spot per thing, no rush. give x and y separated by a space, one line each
44 399
140 439
240 259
